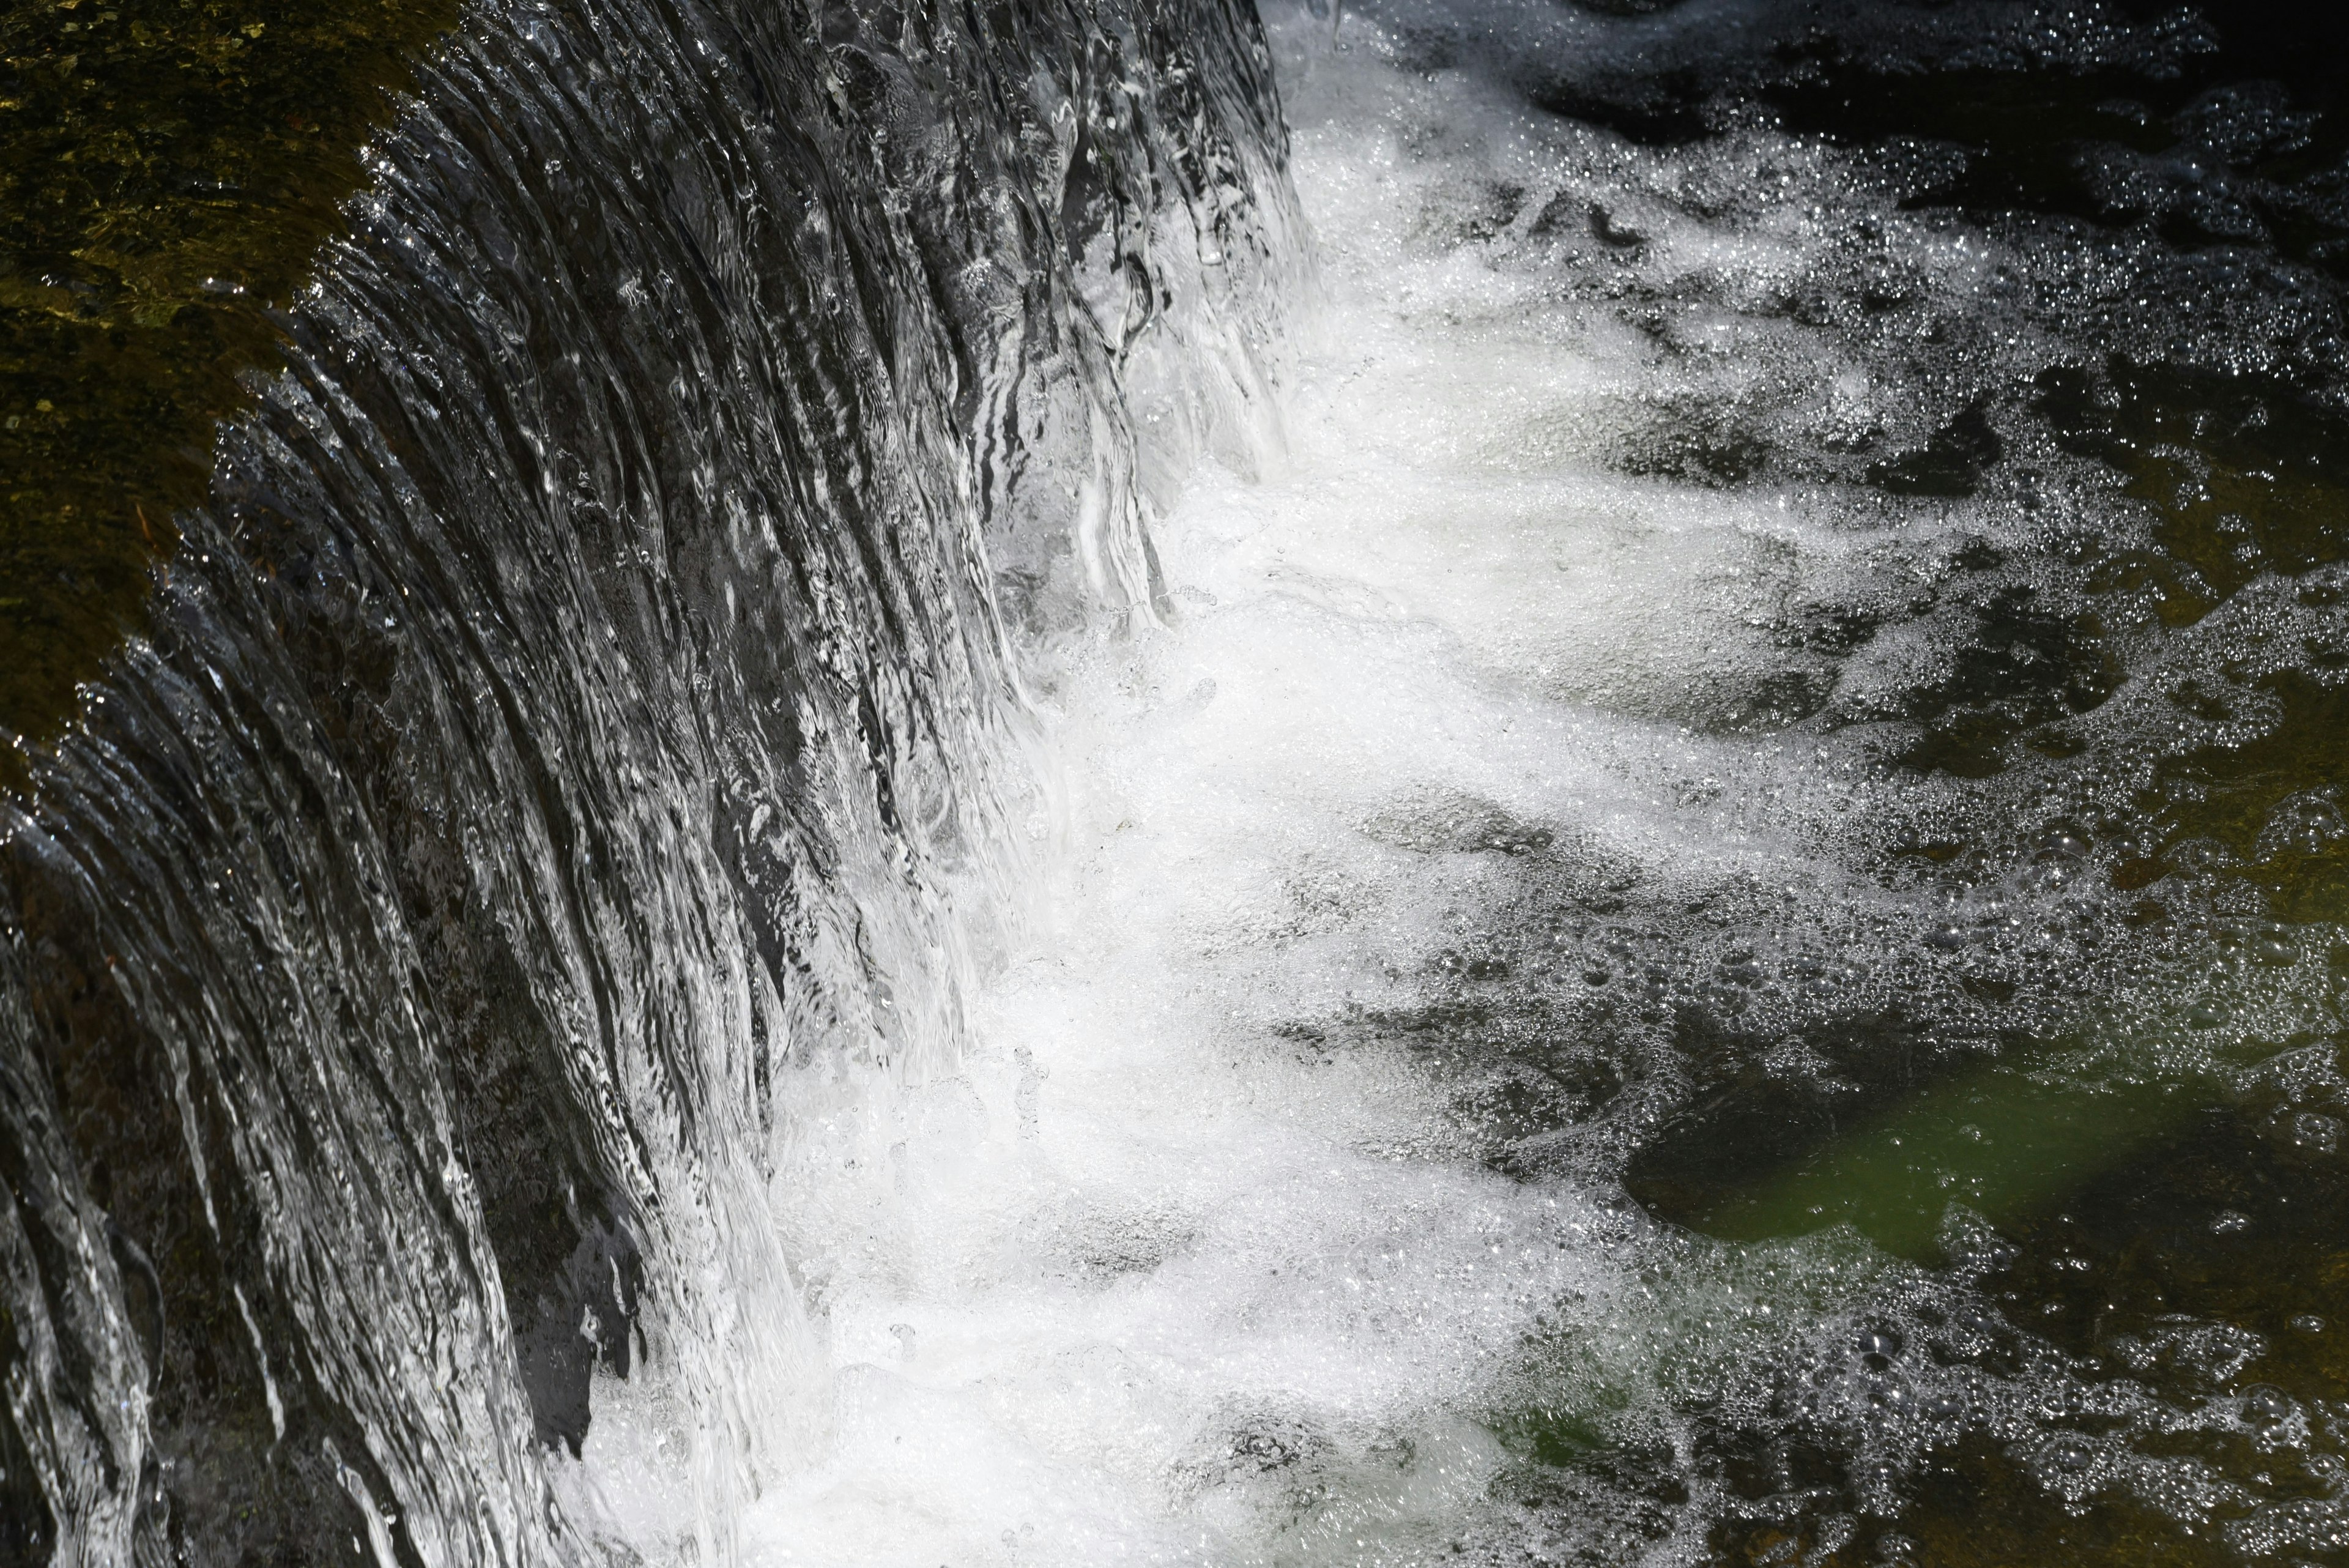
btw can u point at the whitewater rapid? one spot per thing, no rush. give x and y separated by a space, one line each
1160 1271
1485 781
1514 757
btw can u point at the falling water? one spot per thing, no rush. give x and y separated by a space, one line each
940 790
572 750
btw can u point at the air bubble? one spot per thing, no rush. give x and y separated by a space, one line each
2264 1405
2072 1455
2315 1131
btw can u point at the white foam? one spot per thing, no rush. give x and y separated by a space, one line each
1149 1280
1164 1273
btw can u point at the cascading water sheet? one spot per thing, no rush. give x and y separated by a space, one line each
940 790
579 713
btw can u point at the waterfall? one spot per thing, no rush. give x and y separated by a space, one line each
1022 783
584 732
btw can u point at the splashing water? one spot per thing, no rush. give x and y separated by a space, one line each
567 726
1643 736
802 884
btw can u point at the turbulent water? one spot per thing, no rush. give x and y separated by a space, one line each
1478 782
548 781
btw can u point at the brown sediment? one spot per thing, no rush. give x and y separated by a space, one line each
168 169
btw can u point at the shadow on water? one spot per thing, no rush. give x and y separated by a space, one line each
2183 1240
168 169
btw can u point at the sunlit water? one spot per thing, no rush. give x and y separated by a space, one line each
1632 854
1546 690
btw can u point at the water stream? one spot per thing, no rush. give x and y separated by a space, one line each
1469 781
